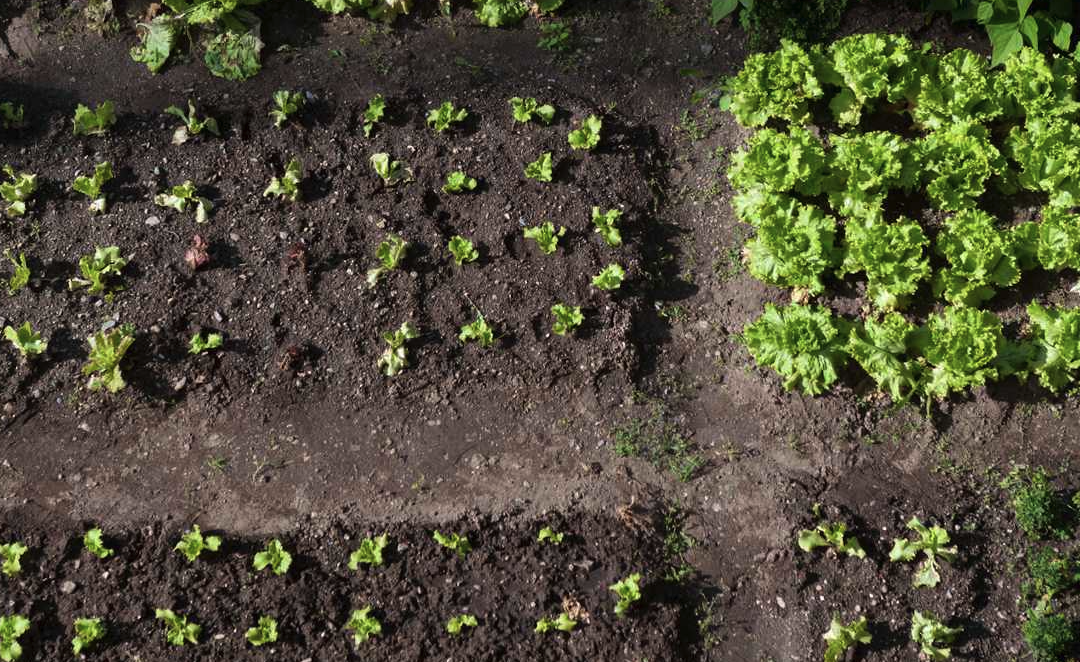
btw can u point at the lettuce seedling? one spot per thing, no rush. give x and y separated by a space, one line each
931 543
929 633
629 591
274 557
562 622
479 330
547 534
524 109
21 276
373 114
454 542
500 13
441 118
286 105
11 116
106 352
588 135
955 164
567 318
396 357
891 254
200 343
1048 154
192 125
369 552
804 344
363 625
556 36
11 553
956 89
265 632
607 225
192 544
869 68
609 278
87 631
98 270
17 191
980 256
91 186
390 252
181 196
830 535
455 624
11 628
881 348
458 182
540 169
463 250
545 236
288 186
391 172
780 162
962 348
1056 345
841 637
177 629
94 543
26 340
780 84
94 122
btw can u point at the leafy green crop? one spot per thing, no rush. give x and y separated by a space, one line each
540 169
373 114
524 109
567 318
200 343
545 236
26 340
478 330
455 624
1056 345
892 256
869 68
192 125
1057 240
288 186
1047 152
794 246
556 36
233 55
396 357
961 347
1031 87
830 535
862 169
1051 573
628 591
11 116
11 553
21 275
389 253
91 186
929 633
181 196
87 631
463 250
458 182
609 278
382 10
454 542
805 344
955 164
177 629
286 105
264 632
94 122
11 628
1050 637
1009 24
500 13
780 162
547 534
369 552
588 135
956 89
95 544
980 256
158 37
442 117
274 557
1039 511
106 352
17 191
881 348
192 544
99 270
391 172
606 225
562 622
780 84
931 543
840 637
363 625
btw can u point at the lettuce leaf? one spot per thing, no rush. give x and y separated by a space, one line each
881 347
794 247
980 256
955 164
863 167
780 162
868 68
1032 87
1056 345
960 347
779 84
892 256
957 87
1058 243
805 344
1048 153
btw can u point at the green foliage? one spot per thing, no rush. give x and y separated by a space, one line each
274 557
87 631
930 633
454 542
567 318
98 271
956 88
931 543
288 186
794 246
17 191
478 330
588 135
383 10
1032 87
609 278
606 225
200 343
892 256
1050 637
880 347
91 186
562 622
21 276
458 182
1051 573
106 352
540 169
766 21
961 347
192 125
369 552
1009 23
192 544
286 105
778 85
547 534
389 253
780 162
804 344
94 543
94 122
1056 239
1056 345
391 172
525 109
157 40
955 164
1039 511
11 553
363 625
396 357
545 236
26 340
1047 152
556 36
628 591
463 250
839 638
11 628
830 535
233 55
177 629
862 169
181 196
442 117
373 114
869 68
11 116
265 632
980 257
500 13
455 624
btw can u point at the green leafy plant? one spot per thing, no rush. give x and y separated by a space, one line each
391 172
780 162
95 544
442 117
891 254
1050 637
804 344
204 343
1056 240
525 109
396 357
588 135
980 257
98 271
26 340
955 164
628 591
233 55
264 632
1055 345
1051 572
373 114
862 169
370 552
181 196
106 352
177 629
1033 87
563 622
961 348
378 10
780 84
956 90
1046 152
832 536
606 225
500 13
274 557
478 330
17 191
454 625
548 535
463 250
192 125
454 542
932 543
609 278
545 236
389 253
192 544
94 122
458 182
881 348
11 553
20 277
286 105
839 638
931 635
158 37
567 318
288 186
540 169
91 186
87 631
1038 509
1009 23
363 625
795 246
555 36
11 116
870 68
11 628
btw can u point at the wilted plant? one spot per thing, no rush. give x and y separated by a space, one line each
391 172
198 254
97 271
181 196
396 357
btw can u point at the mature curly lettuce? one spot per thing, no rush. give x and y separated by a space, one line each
881 349
500 13
1058 242
862 169
1056 345
1048 153
891 254
980 256
961 349
778 84
780 162
1033 87
805 344
956 88
868 68
956 163
794 247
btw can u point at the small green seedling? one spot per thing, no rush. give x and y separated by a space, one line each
11 116
95 544
588 136
396 357
479 330
193 543
106 352
177 629
26 340
841 637
363 625
462 249
376 108
830 535
455 624
11 628
556 36
545 236
441 118
547 534
200 343
192 125
16 192
525 109
562 622
20 278
389 253
391 172
286 105
370 552
932 543
610 278
274 557
1039 511
288 186
183 195
567 318
929 633
91 186
265 632
98 270
540 169
94 122
458 182
607 225
87 631
1050 637
454 542
11 553
628 591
